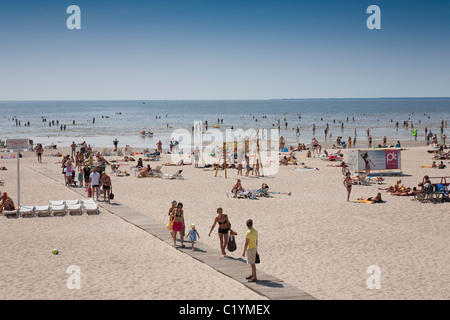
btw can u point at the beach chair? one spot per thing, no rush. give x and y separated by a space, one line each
174 176
90 207
26 211
244 194
74 209
58 208
241 194
114 170
56 203
42 211
129 151
156 172
92 201
263 193
11 214
363 180
375 180
441 192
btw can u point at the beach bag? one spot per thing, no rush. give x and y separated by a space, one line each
170 224
257 258
111 195
231 246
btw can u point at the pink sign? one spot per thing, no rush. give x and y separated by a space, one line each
392 159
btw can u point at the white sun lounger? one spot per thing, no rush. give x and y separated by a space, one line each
57 203
26 211
67 202
90 207
58 210
156 172
10 214
174 176
88 201
42 211
74 209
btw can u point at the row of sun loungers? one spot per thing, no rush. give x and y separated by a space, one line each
57 208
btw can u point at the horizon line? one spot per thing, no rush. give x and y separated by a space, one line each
267 99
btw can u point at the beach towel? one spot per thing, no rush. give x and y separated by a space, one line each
286 193
305 169
367 201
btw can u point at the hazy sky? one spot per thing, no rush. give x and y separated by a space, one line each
223 49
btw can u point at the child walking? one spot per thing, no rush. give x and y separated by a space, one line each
193 234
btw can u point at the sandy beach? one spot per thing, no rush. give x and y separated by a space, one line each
312 239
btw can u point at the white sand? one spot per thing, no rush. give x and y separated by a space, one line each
312 239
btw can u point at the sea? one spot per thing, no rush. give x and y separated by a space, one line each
99 123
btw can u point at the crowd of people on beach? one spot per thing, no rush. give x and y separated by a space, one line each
92 176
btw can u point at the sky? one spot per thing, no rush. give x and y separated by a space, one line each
223 49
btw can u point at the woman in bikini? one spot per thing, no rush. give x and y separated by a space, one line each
106 183
348 185
224 228
237 187
79 160
178 224
39 152
367 161
171 210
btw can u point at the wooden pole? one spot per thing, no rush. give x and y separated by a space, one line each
225 158
224 150
18 183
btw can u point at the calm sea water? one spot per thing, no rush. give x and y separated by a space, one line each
125 119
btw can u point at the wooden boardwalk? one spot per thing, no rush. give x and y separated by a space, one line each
237 269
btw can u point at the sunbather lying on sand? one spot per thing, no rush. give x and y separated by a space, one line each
442 156
284 161
406 192
376 199
395 188
342 164
179 163
376 179
310 168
